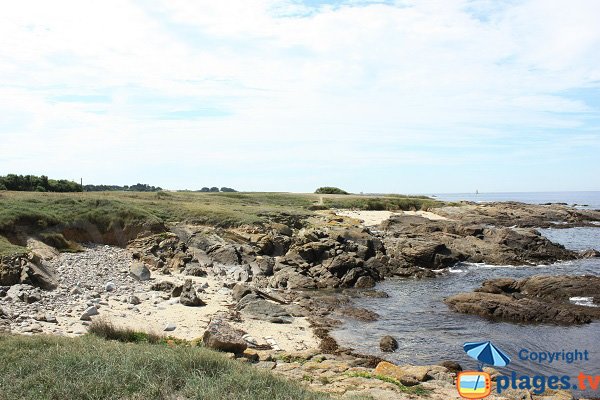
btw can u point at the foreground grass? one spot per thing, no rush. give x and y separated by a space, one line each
44 367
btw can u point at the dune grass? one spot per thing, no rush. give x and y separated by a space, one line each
44 367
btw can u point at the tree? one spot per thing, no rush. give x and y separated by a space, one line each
214 189
205 189
225 189
330 190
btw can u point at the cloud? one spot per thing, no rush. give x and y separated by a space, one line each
188 91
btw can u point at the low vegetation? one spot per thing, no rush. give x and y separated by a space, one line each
418 390
105 329
44 367
51 213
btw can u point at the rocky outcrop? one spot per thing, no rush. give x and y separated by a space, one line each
27 270
219 335
388 344
538 299
417 241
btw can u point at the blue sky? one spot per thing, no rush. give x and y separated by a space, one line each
372 96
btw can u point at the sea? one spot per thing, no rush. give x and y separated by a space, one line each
428 332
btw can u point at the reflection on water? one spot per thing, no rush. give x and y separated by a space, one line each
428 332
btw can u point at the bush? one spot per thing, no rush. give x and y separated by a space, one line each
330 190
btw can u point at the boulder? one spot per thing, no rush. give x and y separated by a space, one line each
364 282
388 344
266 311
240 290
188 295
194 269
219 335
390 370
89 313
139 271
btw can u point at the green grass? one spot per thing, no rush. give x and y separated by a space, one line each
7 248
418 390
38 213
44 367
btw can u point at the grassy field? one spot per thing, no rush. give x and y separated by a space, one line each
44 367
35 212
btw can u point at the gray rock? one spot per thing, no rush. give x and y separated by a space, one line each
110 287
267 311
88 313
240 290
51 319
170 327
133 300
139 271
219 335
194 269
188 295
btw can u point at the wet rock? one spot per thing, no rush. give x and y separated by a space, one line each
388 344
139 271
364 282
451 366
361 314
219 335
188 295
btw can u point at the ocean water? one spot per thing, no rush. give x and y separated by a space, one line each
589 200
428 332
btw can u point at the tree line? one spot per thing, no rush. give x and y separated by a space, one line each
32 183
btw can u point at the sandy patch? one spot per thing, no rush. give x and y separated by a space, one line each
374 218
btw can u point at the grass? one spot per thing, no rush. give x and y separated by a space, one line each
37 213
418 390
45 367
7 248
105 329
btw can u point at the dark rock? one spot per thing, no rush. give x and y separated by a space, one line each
388 344
188 295
364 282
590 253
361 314
451 366
219 335
538 299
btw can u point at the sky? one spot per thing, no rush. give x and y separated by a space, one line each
404 96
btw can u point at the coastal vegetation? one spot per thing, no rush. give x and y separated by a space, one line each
34 213
330 190
51 367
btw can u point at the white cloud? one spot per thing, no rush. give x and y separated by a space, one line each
375 83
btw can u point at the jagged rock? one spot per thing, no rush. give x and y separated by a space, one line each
188 295
538 299
139 271
219 335
388 344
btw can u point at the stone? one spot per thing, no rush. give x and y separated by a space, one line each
133 299
451 366
239 291
266 311
390 370
88 313
194 269
139 271
268 365
110 287
170 327
364 282
388 344
219 335
188 295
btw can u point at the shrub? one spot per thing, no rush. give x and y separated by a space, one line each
106 330
330 190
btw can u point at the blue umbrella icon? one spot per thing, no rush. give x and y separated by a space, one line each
486 353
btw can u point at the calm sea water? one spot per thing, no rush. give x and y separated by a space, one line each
581 199
428 332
